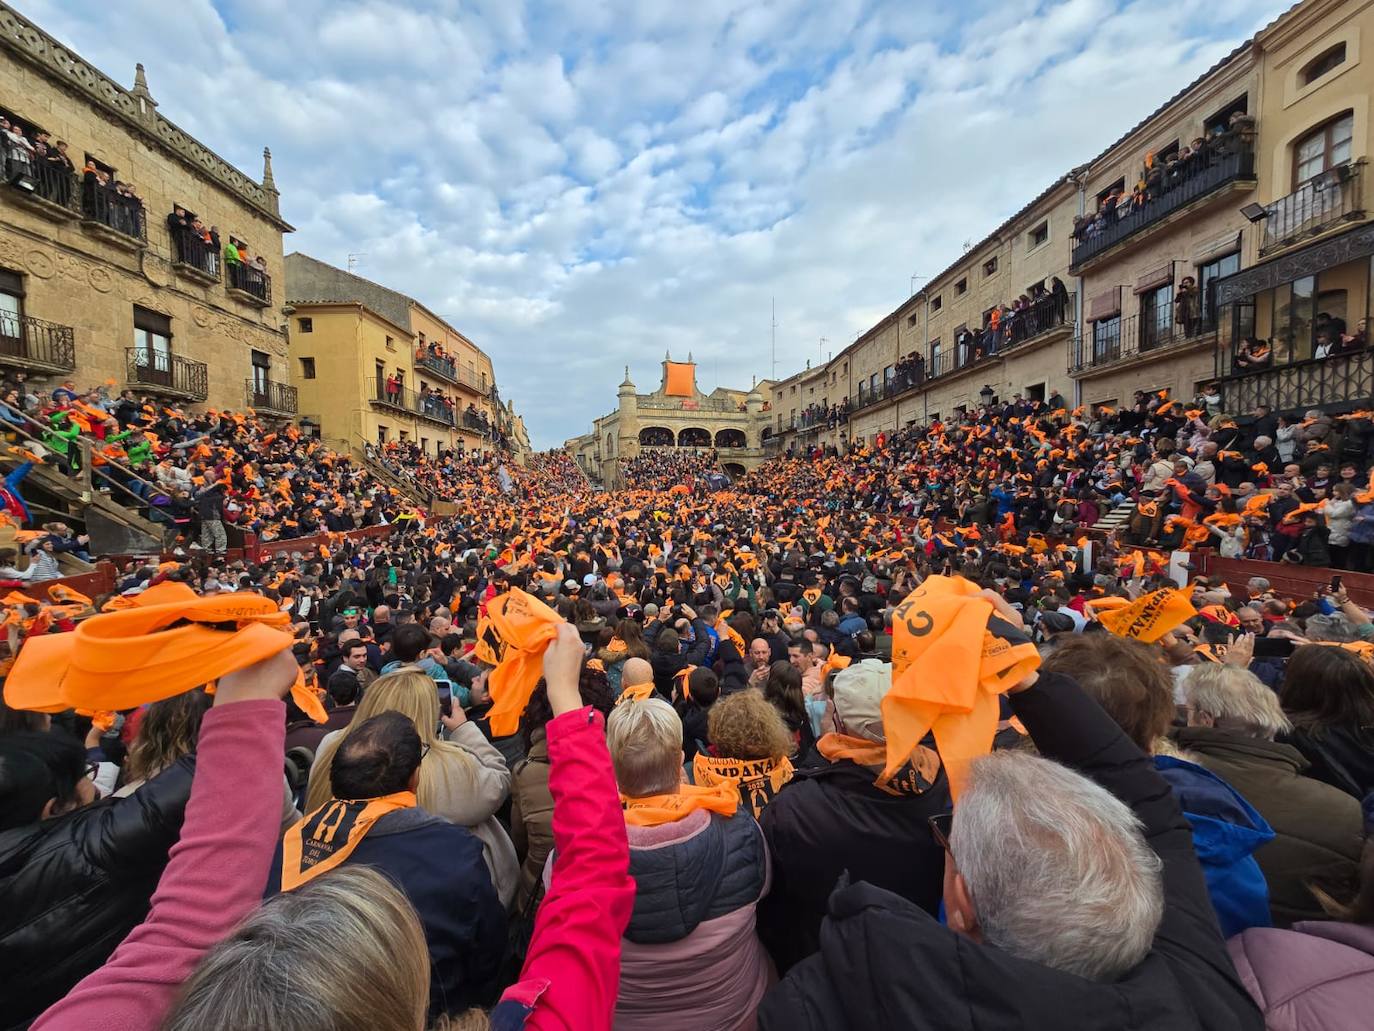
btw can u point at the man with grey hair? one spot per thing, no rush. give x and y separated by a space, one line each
1073 897
1233 719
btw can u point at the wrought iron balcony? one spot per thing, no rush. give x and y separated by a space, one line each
249 283
116 216
1234 162
1111 341
1321 203
402 399
162 372
1314 383
45 185
270 396
193 253
35 344
445 368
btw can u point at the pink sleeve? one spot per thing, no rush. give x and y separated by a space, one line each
214 877
571 975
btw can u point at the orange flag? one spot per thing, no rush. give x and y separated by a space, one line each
947 671
512 637
1150 616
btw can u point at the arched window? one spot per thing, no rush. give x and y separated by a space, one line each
1322 149
1332 57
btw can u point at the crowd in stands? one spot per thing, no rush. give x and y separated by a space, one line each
661 469
1008 324
880 737
1162 174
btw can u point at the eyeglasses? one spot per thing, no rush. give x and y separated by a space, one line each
424 752
940 825
92 768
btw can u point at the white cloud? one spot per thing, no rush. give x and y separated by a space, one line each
579 186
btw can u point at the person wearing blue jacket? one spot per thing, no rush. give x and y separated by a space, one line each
1130 681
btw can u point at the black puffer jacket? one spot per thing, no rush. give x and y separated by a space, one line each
885 963
74 886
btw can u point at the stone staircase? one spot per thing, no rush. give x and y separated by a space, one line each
1115 519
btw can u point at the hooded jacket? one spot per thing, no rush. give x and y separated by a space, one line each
74 886
1227 830
1317 828
885 963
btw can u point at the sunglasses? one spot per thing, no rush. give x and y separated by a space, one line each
940 825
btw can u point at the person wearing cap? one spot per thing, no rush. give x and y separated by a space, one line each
840 817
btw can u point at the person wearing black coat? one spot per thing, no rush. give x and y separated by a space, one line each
670 660
75 885
886 962
730 668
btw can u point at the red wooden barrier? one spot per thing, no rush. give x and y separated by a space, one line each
1298 582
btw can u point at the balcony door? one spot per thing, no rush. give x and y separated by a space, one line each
262 375
11 313
1156 316
152 347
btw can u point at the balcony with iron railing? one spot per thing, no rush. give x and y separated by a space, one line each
1330 200
1344 379
270 397
48 187
194 255
116 217
1116 340
30 343
444 368
402 399
162 372
248 283
1228 162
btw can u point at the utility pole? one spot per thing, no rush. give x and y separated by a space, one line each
773 331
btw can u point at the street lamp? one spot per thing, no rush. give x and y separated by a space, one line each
1255 212
986 395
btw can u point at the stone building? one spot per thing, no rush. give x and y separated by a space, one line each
676 415
99 286
1269 225
373 365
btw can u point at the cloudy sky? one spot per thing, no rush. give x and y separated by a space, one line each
583 185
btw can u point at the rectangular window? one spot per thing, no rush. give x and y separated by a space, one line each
11 312
887 375
381 434
153 341
1039 235
936 303
961 288
1156 317
306 324
424 444
990 267
390 344
934 357
1107 339
1207 285
307 368
262 371
911 319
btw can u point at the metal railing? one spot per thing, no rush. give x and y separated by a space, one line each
25 340
1231 160
444 368
270 396
1109 341
476 421
193 251
1335 196
46 180
170 372
104 206
705 404
251 280
405 400
1340 379
813 418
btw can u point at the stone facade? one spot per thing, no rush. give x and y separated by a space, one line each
732 421
348 335
75 273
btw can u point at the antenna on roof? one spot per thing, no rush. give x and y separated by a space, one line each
353 261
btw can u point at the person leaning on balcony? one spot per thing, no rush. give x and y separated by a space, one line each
1254 354
1186 306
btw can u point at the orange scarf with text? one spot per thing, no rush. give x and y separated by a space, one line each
327 837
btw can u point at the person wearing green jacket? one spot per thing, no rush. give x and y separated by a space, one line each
61 440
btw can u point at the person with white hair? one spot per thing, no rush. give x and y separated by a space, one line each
1072 894
1233 719
690 957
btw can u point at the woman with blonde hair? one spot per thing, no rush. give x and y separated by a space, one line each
463 778
750 745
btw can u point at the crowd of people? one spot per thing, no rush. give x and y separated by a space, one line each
876 737
663 468
33 155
